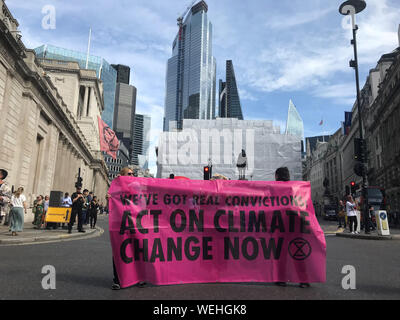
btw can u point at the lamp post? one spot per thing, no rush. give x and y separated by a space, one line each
352 7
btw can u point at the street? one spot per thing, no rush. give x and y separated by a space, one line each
84 271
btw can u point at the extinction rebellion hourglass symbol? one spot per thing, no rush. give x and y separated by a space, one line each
299 249
111 139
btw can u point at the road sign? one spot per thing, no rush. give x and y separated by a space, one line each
382 223
58 215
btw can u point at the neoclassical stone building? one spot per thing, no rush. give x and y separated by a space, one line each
48 119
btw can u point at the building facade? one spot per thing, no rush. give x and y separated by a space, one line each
141 141
229 102
382 118
191 71
185 152
43 143
124 113
123 73
103 69
115 165
330 166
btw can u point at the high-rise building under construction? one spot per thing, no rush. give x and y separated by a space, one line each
191 71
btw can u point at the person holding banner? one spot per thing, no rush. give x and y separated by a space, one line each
126 171
282 174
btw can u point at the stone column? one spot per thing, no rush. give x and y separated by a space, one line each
85 102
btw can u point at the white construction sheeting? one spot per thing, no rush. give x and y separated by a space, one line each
185 153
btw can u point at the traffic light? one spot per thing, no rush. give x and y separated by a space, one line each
359 149
206 171
359 169
353 187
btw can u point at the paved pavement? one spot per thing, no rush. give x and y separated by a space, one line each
31 235
84 271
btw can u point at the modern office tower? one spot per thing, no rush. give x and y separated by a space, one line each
103 69
191 71
141 141
123 73
229 101
124 113
294 123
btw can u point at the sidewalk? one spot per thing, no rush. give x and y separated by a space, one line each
31 235
331 228
394 235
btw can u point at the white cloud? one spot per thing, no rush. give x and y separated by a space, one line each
289 21
246 95
280 47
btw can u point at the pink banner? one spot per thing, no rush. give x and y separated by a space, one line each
167 231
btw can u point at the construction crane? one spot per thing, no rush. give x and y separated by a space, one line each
180 19
179 98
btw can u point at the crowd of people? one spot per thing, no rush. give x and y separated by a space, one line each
13 208
85 206
347 216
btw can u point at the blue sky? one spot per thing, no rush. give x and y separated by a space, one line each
291 49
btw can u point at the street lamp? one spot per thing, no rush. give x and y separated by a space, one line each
352 7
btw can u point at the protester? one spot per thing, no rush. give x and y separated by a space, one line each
34 209
66 201
341 215
18 203
39 210
5 197
85 206
351 214
282 174
89 200
78 201
93 207
116 285
46 208
370 220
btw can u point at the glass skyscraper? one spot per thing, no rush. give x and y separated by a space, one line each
104 71
141 141
229 101
294 123
191 71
